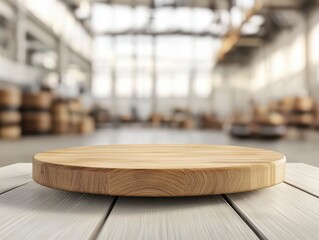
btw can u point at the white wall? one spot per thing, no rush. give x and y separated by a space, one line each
278 68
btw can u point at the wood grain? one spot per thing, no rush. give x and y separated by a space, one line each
10 97
9 117
159 170
174 218
36 212
37 100
303 176
279 212
10 132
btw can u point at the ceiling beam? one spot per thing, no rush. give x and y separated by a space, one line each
209 4
234 35
249 42
160 33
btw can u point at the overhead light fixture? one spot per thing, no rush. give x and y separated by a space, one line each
236 17
257 20
249 29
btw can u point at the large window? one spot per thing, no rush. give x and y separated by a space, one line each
203 84
102 83
174 60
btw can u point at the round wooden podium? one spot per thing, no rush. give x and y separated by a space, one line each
159 170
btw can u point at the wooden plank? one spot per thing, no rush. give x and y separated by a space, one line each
15 175
159 170
279 212
36 212
303 176
174 218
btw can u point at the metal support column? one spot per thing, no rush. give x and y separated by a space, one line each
307 55
20 34
134 110
113 77
63 59
192 70
154 85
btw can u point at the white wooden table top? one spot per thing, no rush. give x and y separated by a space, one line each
286 211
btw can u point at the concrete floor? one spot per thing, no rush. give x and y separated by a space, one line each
295 149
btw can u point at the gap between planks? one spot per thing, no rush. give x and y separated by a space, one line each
299 188
14 187
97 232
244 217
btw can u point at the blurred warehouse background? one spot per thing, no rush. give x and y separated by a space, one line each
85 72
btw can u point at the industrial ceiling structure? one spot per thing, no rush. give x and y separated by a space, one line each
240 25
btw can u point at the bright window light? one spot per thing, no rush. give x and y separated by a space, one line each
245 4
259 76
123 16
204 49
163 20
144 83
101 84
111 18
180 85
203 18
224 16
203 84
141 17
164 85
124 84
124 46
102 17
184 18
297 54
278 64
144 46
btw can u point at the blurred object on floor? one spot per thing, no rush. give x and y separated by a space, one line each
60 117
10 117
265 123
87 125
183 118
101 116
210 121
36 114
241 127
